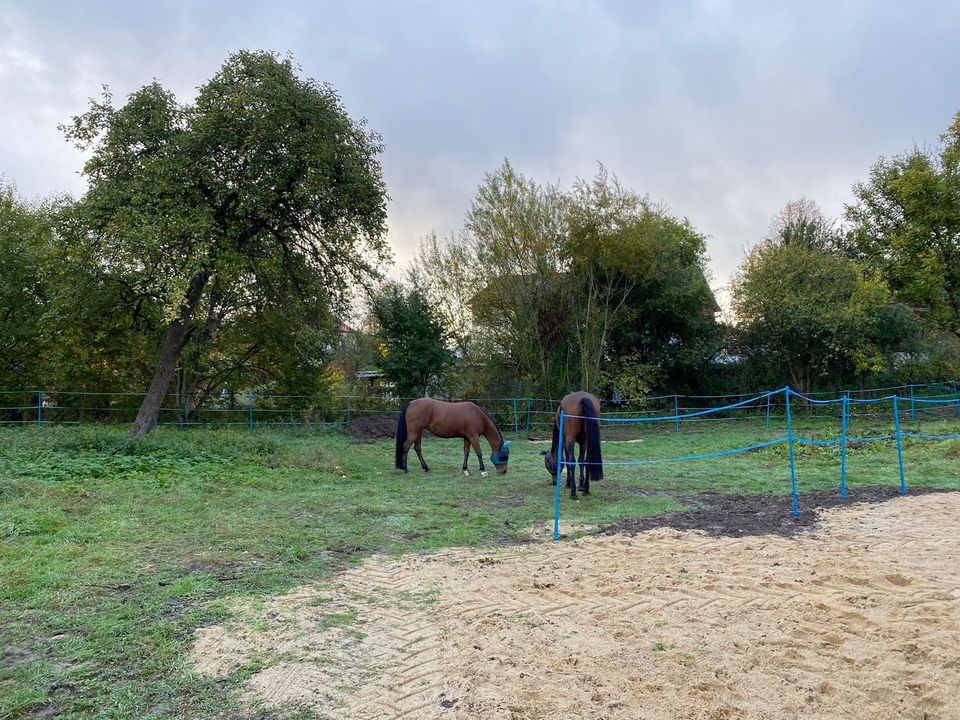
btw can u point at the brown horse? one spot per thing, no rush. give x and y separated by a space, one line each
447 420
581 415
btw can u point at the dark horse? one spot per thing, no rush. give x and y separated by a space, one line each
581 415
447 420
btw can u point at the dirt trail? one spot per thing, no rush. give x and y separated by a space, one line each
859 619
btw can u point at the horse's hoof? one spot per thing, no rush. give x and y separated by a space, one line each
467 473
426 469
483 473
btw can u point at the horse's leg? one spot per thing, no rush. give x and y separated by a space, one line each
475 442
584 482
416 446
406 447
466 455
571 470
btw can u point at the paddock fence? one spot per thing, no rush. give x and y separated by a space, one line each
901 409
514 415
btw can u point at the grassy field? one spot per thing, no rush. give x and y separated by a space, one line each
112 551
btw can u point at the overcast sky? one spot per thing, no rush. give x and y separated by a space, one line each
724 111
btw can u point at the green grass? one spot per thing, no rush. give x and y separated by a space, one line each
113 551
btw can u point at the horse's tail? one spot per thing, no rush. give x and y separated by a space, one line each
401 437
593 457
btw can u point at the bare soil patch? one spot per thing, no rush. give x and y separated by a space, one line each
741 515
372 427
857 618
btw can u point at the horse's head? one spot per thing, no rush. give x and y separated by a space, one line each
550 462
501 457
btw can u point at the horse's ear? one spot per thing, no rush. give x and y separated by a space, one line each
506 446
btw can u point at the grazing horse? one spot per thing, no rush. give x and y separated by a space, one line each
447 420
581 424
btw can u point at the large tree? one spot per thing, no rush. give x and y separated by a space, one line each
445 274
906 225
261 194
513 233
414 352
644 307
555 286
802 223
809 315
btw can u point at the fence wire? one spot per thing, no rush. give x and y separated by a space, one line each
942 399
515 415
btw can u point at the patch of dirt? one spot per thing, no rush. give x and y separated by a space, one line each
372 427
859 619
742 515
47 711
12 656
223 571
539 437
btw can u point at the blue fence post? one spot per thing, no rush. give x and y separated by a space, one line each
843 448
766 421
896 422
347 421
40 409
516 418
529 411
793 471
913 406
676 412
956 396
556 503
250 410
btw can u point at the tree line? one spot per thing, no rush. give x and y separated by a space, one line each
238 242
545 289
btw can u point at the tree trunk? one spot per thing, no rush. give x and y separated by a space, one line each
176 339
177 335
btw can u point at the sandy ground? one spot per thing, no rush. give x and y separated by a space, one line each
858 619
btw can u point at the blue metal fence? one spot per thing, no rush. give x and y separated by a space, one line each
949 402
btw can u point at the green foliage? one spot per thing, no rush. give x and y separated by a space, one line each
521 299
802 224
238 223
414 355
630 378
442 271
567 287
656 263
810 315
906 226
610 251
26 239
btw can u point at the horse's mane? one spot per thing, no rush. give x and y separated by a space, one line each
495 426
